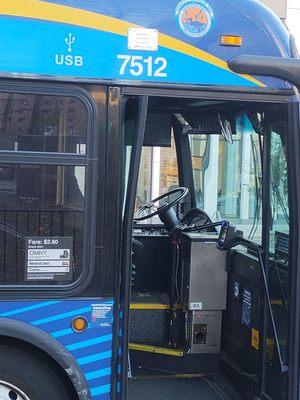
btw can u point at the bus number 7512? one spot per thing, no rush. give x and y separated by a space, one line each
138 65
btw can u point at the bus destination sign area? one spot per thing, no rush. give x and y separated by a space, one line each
49 258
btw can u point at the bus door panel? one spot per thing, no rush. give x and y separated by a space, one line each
280 361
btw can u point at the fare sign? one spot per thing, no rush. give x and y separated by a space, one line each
49 258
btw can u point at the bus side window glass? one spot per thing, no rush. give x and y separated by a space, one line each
158 173
279 191
227 177
42 206
32 122
278 266
44 202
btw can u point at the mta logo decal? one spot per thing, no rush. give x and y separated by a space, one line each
195 17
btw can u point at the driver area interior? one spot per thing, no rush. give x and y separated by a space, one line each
195 310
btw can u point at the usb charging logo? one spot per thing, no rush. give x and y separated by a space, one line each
69 60
70 40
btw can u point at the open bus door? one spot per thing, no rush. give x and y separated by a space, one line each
276 338
289 70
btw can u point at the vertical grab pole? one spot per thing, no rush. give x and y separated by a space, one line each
127 233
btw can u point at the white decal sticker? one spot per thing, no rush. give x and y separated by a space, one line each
143 39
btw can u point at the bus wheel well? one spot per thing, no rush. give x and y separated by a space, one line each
43 356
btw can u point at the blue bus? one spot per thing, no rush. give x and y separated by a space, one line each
149 201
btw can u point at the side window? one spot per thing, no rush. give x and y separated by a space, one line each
279 228
158 174
227 177
42 197
32 122
278 265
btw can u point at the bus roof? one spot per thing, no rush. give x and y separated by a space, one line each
179 43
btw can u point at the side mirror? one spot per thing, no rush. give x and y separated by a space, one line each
228 237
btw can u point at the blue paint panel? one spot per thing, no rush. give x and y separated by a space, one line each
263 33
63 332
120 352
90 342
100 390
61 316
97 374
94 366
105 347
94 357
100 60
25 308
88 336
248 17
92 349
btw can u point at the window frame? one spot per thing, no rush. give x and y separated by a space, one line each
89 161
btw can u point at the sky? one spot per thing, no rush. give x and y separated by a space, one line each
293 19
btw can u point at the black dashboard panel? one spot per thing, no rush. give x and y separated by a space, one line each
149 230
152 269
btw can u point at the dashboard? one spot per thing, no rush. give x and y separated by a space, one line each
149 230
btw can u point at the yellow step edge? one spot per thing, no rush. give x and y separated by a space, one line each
156 349
156 306
152 306
171 376
277 302
149 306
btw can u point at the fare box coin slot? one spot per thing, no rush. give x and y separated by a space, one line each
49 258
143 39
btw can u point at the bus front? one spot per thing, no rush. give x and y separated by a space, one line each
149 201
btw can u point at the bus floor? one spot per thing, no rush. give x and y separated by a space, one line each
208 387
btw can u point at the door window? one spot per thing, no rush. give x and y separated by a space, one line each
278 268
157 175
227 177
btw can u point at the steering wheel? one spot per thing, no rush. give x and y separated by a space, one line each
151 209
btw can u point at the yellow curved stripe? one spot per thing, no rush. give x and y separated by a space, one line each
63 14
73 16
182 47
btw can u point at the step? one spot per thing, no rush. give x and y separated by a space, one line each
149 323
160 358
150 318
156 349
